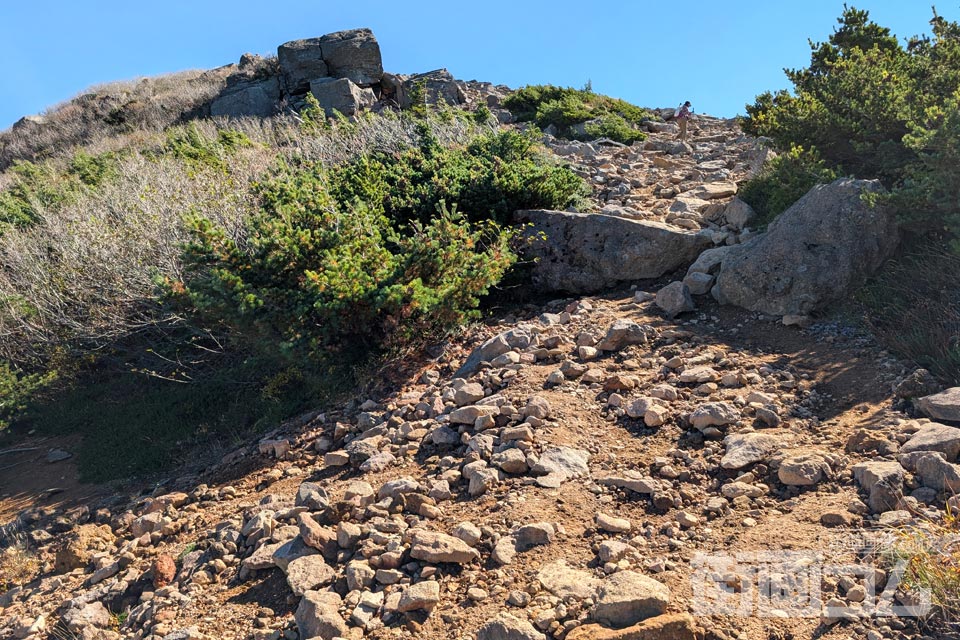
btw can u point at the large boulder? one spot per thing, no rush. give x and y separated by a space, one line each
341 95
353 54
301 61
257 98
585 252
817 251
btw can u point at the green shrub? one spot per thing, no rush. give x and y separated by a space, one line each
929 197
94 170
563 108
614 127
854 103
317 280
347 261
35 186
565 111
783 181
876 109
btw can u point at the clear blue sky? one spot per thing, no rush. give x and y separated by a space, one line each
716 53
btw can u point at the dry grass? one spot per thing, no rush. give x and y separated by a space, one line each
18 565
913 306
146 104
928 554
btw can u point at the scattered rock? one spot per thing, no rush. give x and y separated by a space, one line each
804 470
745 449
422 595
559 464
564 582
508 627
318 616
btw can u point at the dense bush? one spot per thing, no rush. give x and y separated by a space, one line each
368 255
565 108
294 275
929 195
193 147
783 181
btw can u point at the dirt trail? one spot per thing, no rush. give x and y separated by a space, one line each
385 468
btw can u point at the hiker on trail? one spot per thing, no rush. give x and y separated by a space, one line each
682 115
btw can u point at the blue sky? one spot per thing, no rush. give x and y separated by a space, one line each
718 54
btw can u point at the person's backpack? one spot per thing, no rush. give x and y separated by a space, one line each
676 113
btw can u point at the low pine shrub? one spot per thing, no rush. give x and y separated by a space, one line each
17 388
198 150
489 178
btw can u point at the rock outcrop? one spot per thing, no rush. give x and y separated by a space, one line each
819 250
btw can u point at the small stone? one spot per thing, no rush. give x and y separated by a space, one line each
628 597
508 627
432 546
675 299
164 570
307 573
804 470
477 594
468 532
714 414
613 525
745 449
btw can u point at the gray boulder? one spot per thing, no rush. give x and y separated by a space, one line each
935 472
301 61
709 261
353 54
883 481
341 95
817 251
257 98
585 253
935 437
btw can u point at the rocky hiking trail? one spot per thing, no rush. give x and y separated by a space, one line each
557 473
